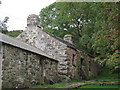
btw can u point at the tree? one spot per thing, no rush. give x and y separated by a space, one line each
94 26
106 38
70 18
3 26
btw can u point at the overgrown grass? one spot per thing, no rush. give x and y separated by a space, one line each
105 77
57 85
106 74
98 86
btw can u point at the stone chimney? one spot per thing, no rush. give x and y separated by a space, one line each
68 38
33 20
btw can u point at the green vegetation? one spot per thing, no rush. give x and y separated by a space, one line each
95 29
106 74
56 85
64 85
14 33
94 26
99 86
106 79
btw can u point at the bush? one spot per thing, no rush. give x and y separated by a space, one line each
113 60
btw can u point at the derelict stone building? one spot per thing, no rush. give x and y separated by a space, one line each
36 57
21 65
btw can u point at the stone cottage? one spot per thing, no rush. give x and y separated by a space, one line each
36 57
22 65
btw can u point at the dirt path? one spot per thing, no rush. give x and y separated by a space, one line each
75 85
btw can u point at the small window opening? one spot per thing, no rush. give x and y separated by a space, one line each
89 66
73 60
81 59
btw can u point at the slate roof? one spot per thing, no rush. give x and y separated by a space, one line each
17 43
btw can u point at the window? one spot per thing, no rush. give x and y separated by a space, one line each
81 60
73 60
89 65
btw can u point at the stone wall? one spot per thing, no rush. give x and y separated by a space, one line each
36 37
88 68
23 69
48 44
1 49
73 64
50 72
79 66
94 69
69 66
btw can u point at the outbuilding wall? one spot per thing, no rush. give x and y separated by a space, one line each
73 64
1 49
88 67
22 69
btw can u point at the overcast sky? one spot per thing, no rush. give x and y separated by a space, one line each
18 11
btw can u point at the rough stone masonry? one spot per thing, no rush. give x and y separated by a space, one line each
36 57
62 50
1 65
53 46
24 66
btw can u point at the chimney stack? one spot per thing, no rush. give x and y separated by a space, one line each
68 38
33 20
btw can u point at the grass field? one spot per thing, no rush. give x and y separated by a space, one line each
105 77
57 85
99 86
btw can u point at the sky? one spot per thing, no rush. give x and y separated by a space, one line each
18 11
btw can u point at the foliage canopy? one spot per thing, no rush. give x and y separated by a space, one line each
94 26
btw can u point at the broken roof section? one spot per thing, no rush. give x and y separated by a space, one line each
17 43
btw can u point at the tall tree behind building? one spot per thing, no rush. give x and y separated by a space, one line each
94 26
